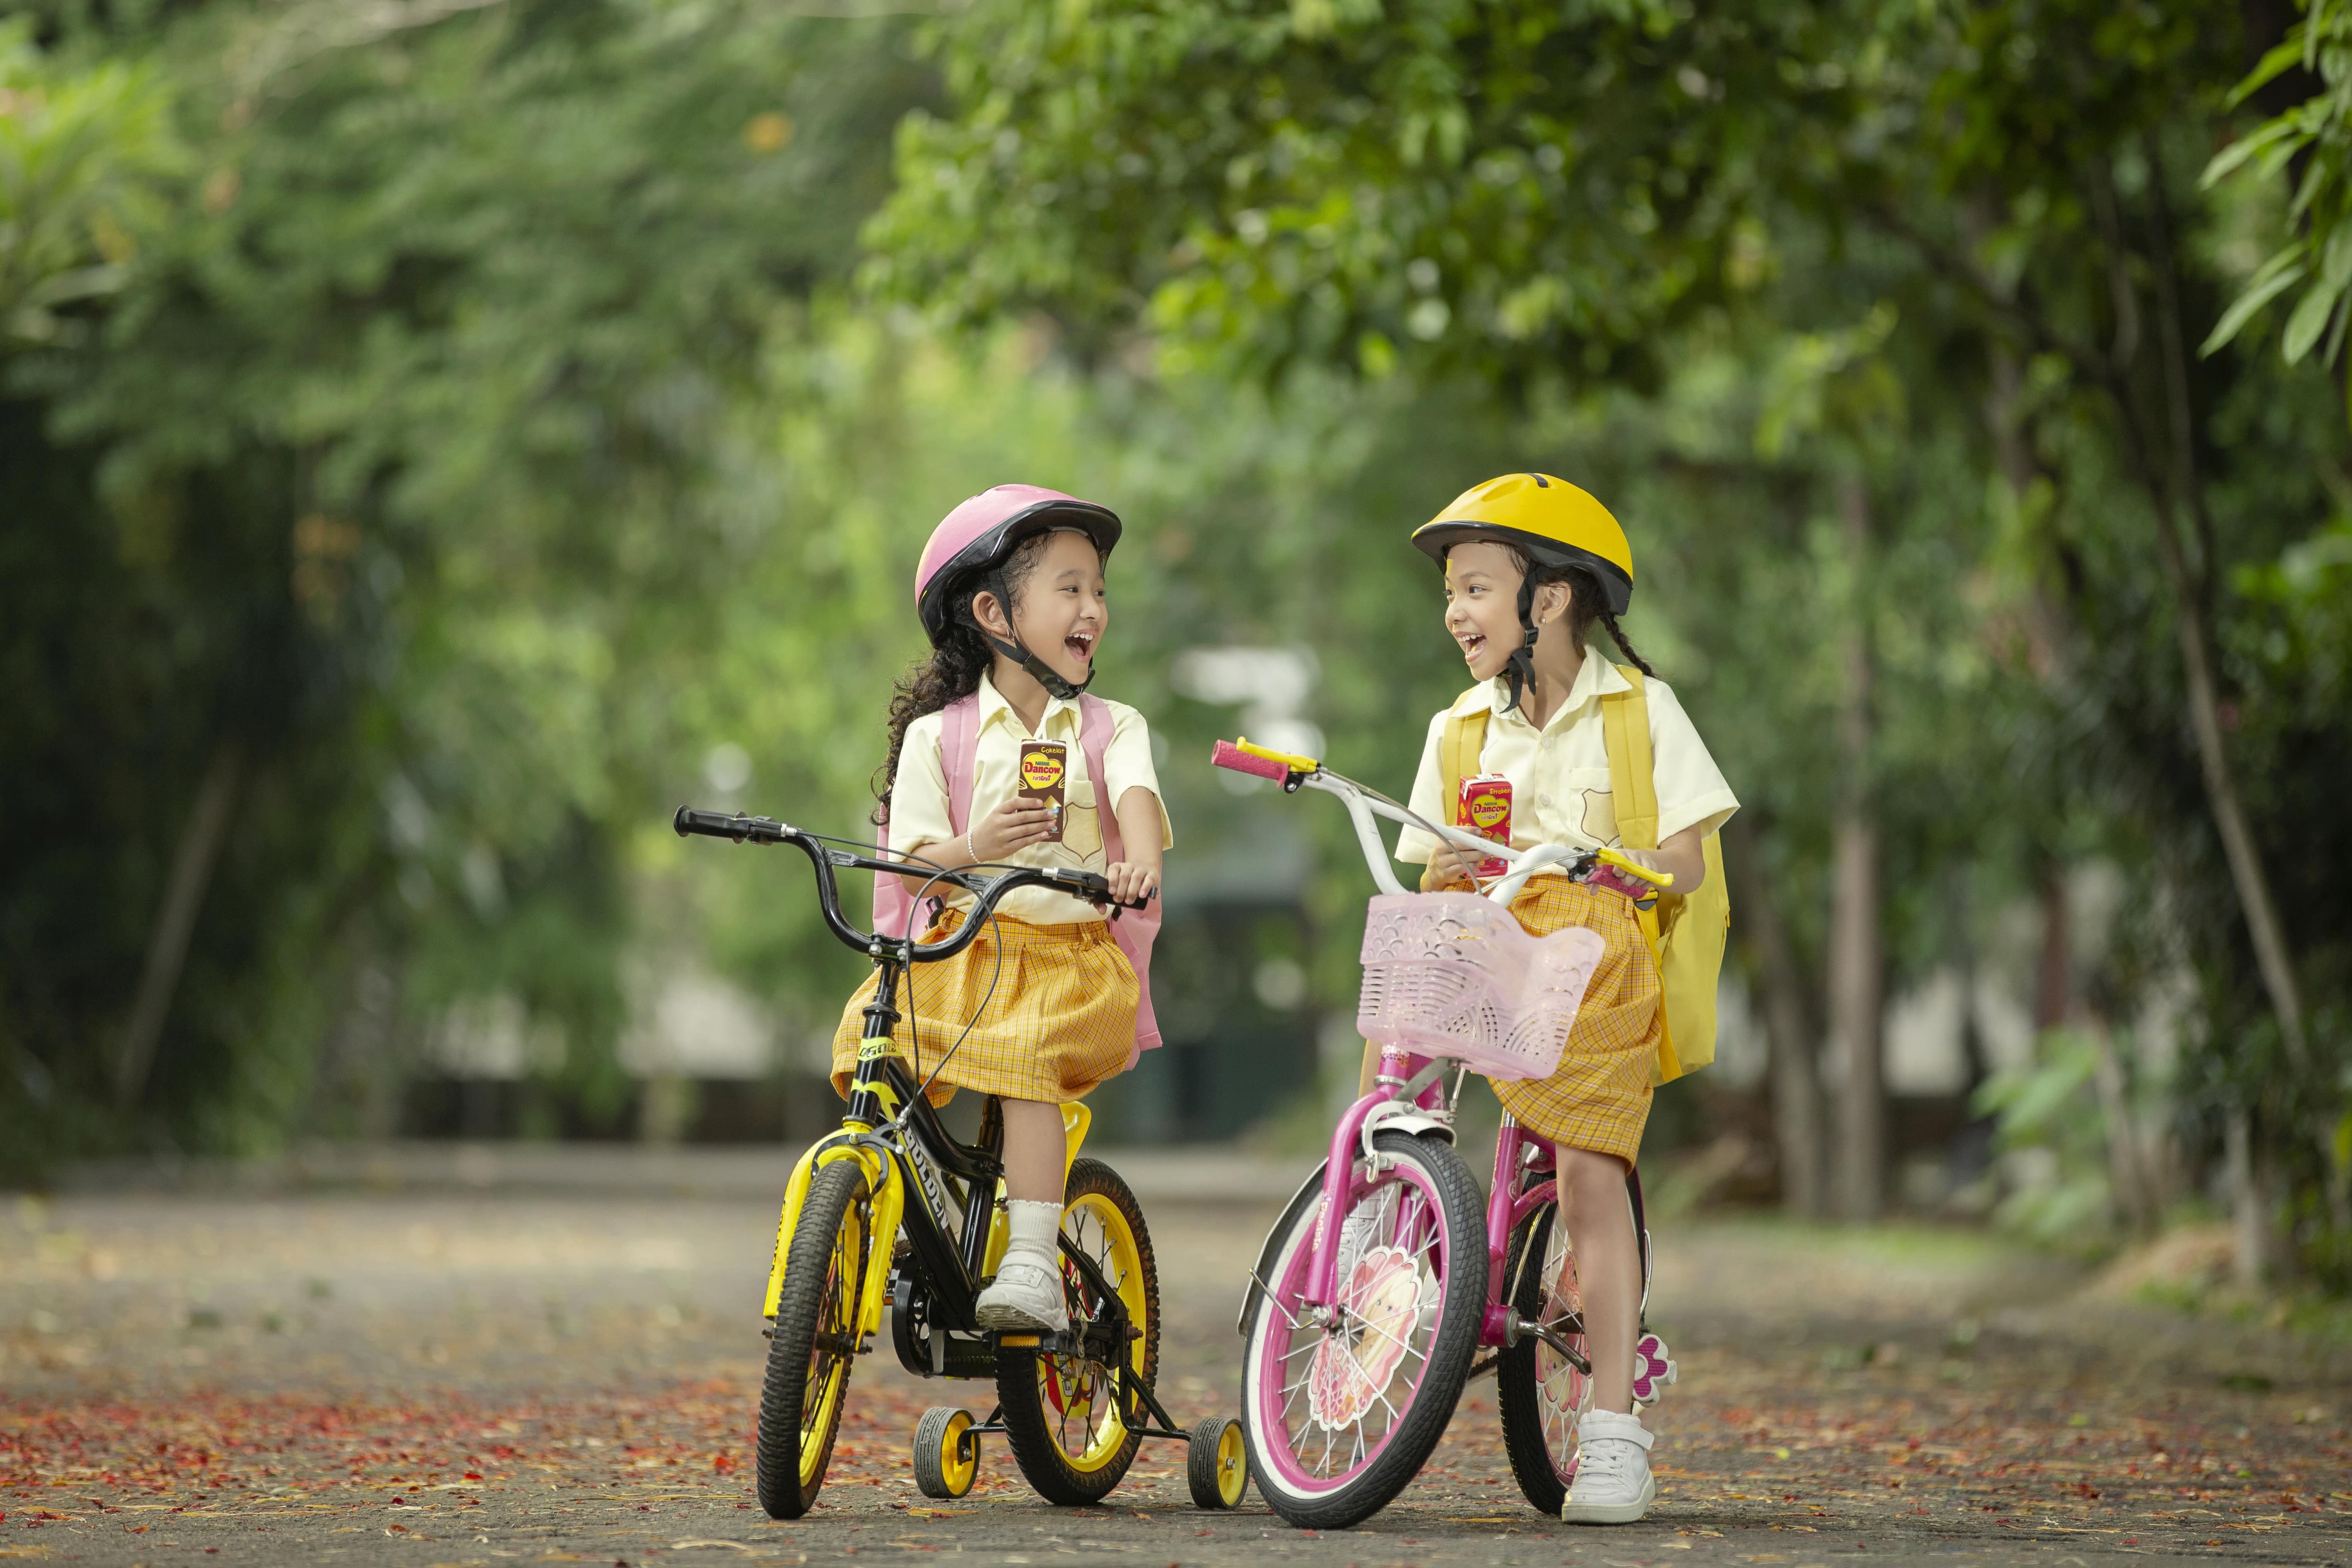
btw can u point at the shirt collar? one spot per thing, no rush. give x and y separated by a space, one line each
1596 677
993 703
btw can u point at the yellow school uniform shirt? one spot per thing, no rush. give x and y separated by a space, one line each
919 797
1559 773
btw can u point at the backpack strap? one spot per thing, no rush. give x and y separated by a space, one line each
1459 744
958 756
1625 728
1134 931
1095 727
894 907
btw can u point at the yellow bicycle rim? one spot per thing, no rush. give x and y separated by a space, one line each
836 1322
1095 1223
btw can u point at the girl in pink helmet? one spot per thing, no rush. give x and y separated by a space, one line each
1053 999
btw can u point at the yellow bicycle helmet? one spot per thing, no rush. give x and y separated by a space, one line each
1556 524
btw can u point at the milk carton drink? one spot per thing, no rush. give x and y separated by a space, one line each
1045 778
1485 808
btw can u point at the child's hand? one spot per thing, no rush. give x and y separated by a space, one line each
1449 872
1130 882
1445 876
1012 827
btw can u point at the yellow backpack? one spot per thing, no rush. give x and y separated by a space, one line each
1686 935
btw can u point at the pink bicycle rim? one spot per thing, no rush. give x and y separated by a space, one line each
1268 1397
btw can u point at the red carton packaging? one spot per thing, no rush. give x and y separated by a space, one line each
1483 807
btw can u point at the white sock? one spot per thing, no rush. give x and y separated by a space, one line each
1034 1229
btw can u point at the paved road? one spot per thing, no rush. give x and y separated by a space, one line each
437 1379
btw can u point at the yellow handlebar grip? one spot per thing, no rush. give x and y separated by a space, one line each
1635 868
1287 759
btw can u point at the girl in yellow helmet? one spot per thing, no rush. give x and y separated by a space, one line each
1532 565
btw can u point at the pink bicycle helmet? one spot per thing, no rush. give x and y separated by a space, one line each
968 550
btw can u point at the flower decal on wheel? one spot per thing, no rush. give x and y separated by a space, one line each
1654 1369
1357 1356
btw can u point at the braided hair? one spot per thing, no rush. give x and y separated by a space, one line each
953 671
1588 603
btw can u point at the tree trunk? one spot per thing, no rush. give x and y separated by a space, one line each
2248 1216
1857 977
2053 976
2172 485
1796 1130
175 923
2272 956
2139 1198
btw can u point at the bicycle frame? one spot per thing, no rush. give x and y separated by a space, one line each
1407 1092
890 1128
892 1131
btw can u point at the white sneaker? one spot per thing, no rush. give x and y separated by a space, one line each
1613 1471
1026 1297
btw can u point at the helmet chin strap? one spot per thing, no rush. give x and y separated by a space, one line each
1522 666
1044 674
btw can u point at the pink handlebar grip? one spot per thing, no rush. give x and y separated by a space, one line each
1228 755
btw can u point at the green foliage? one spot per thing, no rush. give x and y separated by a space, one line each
1950 259
1490 188
457 422
402 465
2313 142
81 153
2050 1113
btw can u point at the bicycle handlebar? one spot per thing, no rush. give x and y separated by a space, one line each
1293 772
1243 759
987 892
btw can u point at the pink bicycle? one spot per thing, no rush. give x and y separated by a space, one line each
1381 1281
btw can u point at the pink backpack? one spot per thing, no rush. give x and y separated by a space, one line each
1133 930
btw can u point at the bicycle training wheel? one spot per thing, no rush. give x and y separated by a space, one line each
1541 1393
1342 1404
815 1340
1061 1413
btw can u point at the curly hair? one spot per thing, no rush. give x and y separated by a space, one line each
1587 605
953 671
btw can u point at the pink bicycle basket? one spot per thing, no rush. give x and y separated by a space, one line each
1453 975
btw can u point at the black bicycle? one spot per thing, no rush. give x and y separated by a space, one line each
1075 1406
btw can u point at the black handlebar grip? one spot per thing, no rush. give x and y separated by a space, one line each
722 824
1096 884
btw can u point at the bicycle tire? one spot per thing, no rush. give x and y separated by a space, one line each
1037 1393
1540 1396
814 1338
1275 1340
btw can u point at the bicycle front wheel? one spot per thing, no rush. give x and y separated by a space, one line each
1541 1394
1341 1404
815 1340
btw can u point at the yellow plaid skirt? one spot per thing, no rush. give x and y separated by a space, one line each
1060 1020
1598 1096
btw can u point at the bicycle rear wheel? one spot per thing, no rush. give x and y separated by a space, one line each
815 1340
1061 1413
1342 1407
1541 1394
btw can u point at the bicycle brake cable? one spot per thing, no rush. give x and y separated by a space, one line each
1460 855
994 974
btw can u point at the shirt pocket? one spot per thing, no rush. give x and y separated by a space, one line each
1581 799
1081 827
